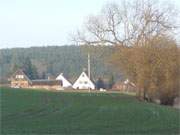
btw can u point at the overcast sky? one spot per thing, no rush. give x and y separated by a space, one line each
25 23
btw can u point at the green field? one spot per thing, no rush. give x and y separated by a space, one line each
44 112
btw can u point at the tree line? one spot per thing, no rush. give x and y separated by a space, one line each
39 62
147 53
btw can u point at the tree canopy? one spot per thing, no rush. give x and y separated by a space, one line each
142 32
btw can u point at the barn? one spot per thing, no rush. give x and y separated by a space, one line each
20 80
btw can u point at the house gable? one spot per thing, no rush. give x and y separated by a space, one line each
19 75
19 79
65 82
83 82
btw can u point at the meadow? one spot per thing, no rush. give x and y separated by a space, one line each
25 111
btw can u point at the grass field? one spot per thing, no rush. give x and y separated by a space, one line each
44 112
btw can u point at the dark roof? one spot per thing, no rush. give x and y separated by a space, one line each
21 72
46 82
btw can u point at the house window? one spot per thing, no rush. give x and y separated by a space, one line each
85 82
19 76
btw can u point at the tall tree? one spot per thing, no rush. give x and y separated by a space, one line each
29 68
111 82
127 23
138 30
100 84
154 68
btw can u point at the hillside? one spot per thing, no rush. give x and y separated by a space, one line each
43 112
70 60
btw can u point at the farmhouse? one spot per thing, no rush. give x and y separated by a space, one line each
125 86
20 80
65 82
83 82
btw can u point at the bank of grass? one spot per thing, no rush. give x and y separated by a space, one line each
25 111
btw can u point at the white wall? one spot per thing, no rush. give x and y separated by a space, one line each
83 82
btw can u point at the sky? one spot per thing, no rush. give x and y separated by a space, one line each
25 23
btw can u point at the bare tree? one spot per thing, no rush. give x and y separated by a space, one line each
142 32
154 68
127 23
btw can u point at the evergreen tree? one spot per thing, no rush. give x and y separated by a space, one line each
29 69
34 72
111 82
15 67
100 84
43 75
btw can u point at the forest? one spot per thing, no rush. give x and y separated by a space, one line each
70 60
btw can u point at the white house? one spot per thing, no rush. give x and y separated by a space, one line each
65 82
83 82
